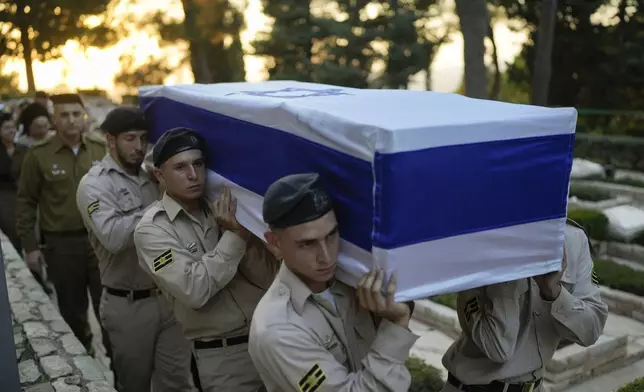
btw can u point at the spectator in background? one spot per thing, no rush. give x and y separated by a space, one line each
36 124
11 156
42 98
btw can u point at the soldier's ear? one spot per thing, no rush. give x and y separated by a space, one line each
272 243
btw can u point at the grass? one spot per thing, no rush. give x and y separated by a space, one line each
589 193
448 300
619 277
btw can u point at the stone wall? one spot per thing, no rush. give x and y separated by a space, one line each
49 356
624 304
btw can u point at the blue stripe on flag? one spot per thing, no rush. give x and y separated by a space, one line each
420 195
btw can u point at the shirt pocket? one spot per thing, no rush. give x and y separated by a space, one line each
128 202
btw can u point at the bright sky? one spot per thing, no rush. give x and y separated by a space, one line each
96 68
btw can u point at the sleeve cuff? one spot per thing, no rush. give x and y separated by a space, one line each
232 243
393 340
563 304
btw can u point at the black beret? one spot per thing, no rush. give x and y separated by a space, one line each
124 119
174 141
66 98
30 113
295 199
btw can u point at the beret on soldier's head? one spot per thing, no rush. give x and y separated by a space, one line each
124 119
60 99
174 141
294 200
30 113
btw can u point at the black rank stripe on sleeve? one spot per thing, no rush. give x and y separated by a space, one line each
92 207
471 307
163 260
312 380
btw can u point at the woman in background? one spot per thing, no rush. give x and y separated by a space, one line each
11 157
36 124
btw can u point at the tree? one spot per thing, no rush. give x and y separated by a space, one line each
288 46
474 21
153 72
38 28
543 58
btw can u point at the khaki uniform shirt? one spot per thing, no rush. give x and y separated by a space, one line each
299 342
111 203
214 283
510 332
51 172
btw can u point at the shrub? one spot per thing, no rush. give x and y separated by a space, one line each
448 300
635 386
594 222
629 181
424 377
588 193
620 277
639 239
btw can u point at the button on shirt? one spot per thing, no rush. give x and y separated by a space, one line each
214 282
510 332
298 342
111 203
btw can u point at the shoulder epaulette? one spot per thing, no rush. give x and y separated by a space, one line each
95 137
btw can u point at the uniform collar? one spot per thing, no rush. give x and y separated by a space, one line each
172 208
110 164
299 291
58 143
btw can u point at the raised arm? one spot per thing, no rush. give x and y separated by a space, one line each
490 316
193 281
29 191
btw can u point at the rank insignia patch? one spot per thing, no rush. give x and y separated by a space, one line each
163 260
312 380
92 207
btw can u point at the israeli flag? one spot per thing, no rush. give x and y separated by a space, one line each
451 192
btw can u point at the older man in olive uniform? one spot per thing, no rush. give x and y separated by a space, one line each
511 330
313 333
213 269
50 175
148 346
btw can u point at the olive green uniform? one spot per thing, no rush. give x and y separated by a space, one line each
50 176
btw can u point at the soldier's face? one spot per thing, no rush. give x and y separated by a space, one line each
130 147
184 175
8 131
70 119
310 250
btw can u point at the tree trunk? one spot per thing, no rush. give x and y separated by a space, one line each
26 53
474 21
198 47
496 84
543 59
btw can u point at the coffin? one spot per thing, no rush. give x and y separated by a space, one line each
451 192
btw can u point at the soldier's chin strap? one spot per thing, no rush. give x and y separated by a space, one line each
577 225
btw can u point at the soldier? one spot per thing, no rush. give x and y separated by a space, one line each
148 346
511 330
309 333
214 270
50 175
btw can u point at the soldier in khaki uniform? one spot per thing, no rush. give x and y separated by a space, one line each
511 330
50 175
312 333
148 346
214 270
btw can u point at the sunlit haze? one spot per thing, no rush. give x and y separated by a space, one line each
95 68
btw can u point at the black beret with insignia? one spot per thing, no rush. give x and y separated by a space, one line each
295 199
61 99
124 119
174 141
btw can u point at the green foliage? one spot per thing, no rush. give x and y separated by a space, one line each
639 239
424 377
634 386
595 64
151 73
628 181
40 27
588 193
448 300
9 83
594 222
620 277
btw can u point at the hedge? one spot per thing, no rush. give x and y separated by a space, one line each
594 222
424 377
620 277
589 193
635 386
622 152
627 181
448 300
